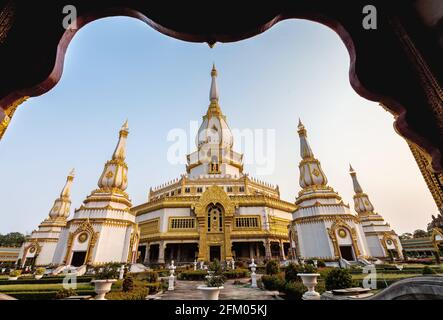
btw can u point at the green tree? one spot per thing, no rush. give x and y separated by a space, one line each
12 239
420 233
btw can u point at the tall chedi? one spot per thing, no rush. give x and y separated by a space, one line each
39 247
214 141
103 229
322 227
382 241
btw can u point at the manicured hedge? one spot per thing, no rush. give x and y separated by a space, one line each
44 280
273 282
194 275
139 293
43 295
236 274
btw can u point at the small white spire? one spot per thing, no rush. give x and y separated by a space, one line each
213 93
357 188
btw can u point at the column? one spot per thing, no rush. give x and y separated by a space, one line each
257 251
282 250
147 252
161 252
267 244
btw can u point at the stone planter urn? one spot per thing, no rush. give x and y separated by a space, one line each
210 293
102 287
38 276
310 281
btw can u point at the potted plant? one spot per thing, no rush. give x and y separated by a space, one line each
14 274
104 277
308 274
39 272
213 282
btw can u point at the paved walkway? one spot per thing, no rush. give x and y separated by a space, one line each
187 290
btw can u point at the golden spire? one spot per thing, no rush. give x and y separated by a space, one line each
115 171
362 204
214 108
305 148
62 204
120 149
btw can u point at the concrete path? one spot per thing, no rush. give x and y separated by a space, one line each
187 290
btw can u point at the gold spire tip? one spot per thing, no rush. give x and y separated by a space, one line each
72 172
351 169
125 125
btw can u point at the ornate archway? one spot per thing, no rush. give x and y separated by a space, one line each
84 232
335 229
214 203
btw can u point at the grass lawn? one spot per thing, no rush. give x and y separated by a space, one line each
40 287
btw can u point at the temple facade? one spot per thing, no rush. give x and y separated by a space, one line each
39 247
382 241
214 210
103 229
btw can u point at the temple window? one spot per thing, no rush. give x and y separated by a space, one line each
242 189
215 218
187 190
199 189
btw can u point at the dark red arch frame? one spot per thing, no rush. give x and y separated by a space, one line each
394 65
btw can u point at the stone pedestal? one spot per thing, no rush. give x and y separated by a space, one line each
253 274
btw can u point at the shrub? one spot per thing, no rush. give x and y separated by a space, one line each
128 284
273 282
294 290
215 277
428 270
307 268
241 264
272 267
338 279
193 275
15 273
107 271
153 287
64 293
291 272
150 276
321 264
40 271
139 293
236 274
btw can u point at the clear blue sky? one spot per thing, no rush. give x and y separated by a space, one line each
119 68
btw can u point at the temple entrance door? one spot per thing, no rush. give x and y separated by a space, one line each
347 253
214 253
78 258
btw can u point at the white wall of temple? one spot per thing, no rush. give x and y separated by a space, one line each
376 228
46 254
164 215
375 246
361 239
60 250
104 214
320 210
112 244
314 241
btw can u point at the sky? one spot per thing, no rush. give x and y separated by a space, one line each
119 68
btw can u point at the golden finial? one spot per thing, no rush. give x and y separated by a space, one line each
125 125
213 71
351 169
72 173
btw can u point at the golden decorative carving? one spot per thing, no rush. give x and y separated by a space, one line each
7 16
8 113
326 217
332 232
214 195
85 227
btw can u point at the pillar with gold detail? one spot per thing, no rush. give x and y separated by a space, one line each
382 241
39 248
323 224
103 230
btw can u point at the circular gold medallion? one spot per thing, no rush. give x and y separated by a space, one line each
342 233
32 250
82 237
389 242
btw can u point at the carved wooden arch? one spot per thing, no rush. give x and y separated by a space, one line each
84 227
332 232
387 65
